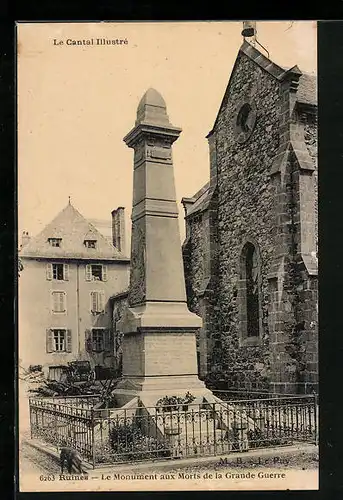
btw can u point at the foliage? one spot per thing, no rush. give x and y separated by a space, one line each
260 439
35 368
169 403
128 443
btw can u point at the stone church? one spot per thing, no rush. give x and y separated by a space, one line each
250 254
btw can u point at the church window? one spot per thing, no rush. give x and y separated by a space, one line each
252 292
242 118
249 295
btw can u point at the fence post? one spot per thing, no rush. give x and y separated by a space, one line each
315 398
92 438
30 411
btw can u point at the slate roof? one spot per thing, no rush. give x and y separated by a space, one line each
73 228
307 90
200 199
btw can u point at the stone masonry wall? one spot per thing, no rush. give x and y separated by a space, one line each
245 212
305 335
284 358
194 267
195 264
311 140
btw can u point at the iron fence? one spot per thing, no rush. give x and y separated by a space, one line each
63 424
115 435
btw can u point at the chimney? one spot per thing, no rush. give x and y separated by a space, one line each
25 239
249 28
118 229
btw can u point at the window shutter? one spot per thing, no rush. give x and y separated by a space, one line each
88 340
64 302
49 340
101 301
54 304
66 272
93 296
69 346
108 344
88 272
49 271
104 273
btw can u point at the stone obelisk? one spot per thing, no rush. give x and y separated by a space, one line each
159 344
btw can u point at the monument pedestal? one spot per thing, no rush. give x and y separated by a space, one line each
159 361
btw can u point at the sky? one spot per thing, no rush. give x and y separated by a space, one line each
76 103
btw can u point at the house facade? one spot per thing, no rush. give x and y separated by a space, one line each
250 253
69 272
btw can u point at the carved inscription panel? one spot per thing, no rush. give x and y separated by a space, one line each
170 353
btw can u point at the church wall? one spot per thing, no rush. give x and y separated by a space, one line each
245 209
195 250
309 294
311 141
276 211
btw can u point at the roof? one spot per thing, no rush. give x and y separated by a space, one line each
307 88
200 200
306 94
120 295
73 229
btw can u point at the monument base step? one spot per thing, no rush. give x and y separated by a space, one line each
150 389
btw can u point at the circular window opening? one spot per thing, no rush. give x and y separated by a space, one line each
243 118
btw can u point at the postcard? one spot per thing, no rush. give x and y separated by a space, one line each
167 256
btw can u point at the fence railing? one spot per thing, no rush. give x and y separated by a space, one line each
85 401
114 435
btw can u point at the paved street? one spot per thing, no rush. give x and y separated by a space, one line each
33 461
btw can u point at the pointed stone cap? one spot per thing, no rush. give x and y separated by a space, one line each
152 109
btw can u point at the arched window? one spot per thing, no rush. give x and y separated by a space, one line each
249 295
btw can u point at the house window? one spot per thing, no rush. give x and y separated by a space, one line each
249 295
55 242
59 302
96 272
57 272
97 302
90 243
58 340
98 340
